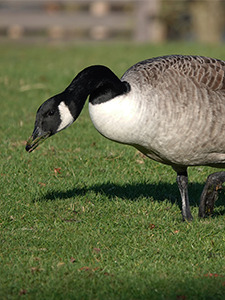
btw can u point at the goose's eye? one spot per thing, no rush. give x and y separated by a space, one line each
51 113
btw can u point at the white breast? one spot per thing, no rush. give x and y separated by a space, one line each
119 119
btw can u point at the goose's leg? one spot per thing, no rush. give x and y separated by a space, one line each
209 193
182 181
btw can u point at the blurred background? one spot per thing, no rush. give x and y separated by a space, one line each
153 21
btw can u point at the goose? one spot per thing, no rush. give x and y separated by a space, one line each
171 108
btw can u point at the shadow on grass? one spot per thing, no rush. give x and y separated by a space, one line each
133 192
142 288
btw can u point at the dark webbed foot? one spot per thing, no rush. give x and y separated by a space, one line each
210 193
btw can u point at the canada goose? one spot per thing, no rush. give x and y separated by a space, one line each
170 108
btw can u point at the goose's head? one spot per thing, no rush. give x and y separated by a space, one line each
52 116
62 110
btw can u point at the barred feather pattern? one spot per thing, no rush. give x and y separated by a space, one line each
184 98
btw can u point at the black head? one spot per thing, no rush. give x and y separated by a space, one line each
48 122
62 110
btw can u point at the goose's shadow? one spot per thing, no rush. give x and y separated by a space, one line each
133 192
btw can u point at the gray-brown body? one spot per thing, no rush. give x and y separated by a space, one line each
184 99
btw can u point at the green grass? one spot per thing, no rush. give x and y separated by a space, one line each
108 226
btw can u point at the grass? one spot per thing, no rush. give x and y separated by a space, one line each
85 218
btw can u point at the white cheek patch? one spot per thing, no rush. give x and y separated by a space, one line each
65 116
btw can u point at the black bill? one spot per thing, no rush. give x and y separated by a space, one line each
36 139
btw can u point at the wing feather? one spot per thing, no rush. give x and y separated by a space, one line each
204 71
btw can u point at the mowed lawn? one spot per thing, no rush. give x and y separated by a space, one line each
82 217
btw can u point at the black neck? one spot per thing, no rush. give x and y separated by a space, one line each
97 81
